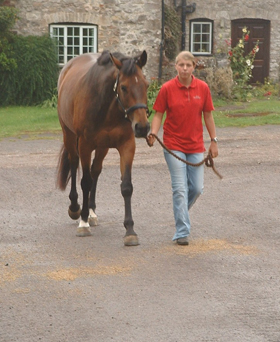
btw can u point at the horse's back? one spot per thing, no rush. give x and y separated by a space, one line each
79 64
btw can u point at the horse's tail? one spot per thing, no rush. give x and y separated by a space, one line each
63 169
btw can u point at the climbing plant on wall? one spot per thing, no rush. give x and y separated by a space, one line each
172 32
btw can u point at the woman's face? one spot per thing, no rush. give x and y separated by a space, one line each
184 68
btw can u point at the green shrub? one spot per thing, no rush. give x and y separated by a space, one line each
267 90
8 17
153 90
51 102
36 75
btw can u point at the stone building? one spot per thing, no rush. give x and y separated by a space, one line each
131 26
116 25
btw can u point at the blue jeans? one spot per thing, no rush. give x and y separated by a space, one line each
187 185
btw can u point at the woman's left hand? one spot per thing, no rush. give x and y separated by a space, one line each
213 149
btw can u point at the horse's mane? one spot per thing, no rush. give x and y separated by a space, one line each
128 63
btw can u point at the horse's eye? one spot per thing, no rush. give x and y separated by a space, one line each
124 89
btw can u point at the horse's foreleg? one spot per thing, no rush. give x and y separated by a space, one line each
86 182
130 238
96 169
127 190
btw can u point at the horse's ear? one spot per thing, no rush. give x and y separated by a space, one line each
116 61
142 59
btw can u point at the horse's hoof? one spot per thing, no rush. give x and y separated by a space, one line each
83 231
74 214
131 240
92 218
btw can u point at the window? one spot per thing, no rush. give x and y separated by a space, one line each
73 40
201 37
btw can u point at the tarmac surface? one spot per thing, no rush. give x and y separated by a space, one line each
224 286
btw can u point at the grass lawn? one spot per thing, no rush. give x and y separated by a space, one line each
17 121
242 114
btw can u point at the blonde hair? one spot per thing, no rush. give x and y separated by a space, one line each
186 55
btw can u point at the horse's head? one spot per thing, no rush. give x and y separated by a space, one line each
131 91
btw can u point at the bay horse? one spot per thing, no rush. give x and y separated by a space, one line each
102 104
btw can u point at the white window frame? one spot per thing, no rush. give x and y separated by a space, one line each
66 51
208 42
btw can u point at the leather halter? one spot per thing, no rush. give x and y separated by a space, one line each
132 108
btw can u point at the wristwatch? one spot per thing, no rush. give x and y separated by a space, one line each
214 139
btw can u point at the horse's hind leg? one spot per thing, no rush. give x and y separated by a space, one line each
86 182
68 165
96 169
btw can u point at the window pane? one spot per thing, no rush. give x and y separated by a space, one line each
196 28
205 28
205 37
76 51
196 47
77 31
205 47
196 38
69 41
70 31
76 41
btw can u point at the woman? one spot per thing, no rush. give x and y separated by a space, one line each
184 99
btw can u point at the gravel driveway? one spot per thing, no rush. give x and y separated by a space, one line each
224 286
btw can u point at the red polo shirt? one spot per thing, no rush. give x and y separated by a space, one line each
183 128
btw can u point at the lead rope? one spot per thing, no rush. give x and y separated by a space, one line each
207 160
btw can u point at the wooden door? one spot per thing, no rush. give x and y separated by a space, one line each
259 31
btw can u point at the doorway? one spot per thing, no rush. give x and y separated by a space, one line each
259 31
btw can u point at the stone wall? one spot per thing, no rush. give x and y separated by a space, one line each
126 26
131 26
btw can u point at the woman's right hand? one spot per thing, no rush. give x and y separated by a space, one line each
150 139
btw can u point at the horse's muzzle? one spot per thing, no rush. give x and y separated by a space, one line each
141 131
